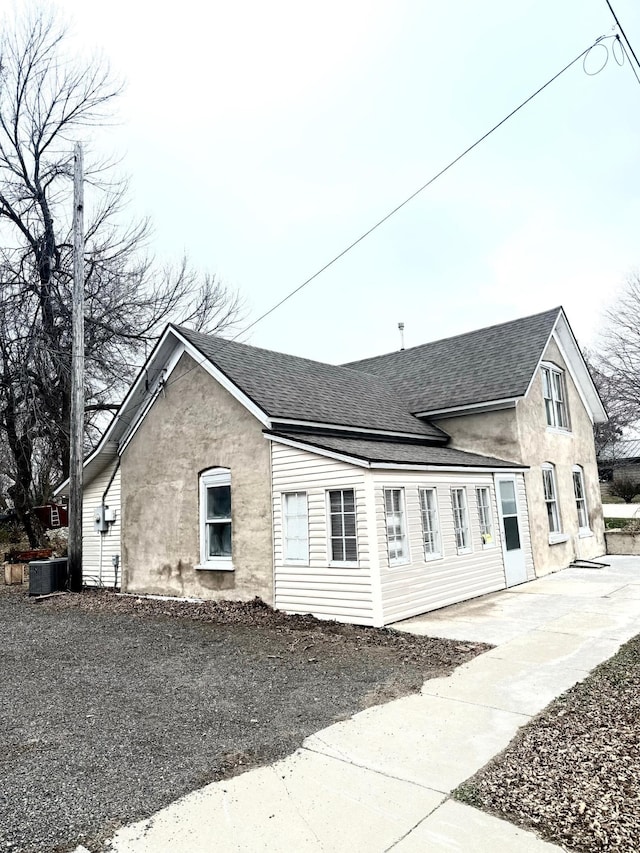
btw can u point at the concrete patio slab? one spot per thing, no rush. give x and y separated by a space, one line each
588 586
426 739
630 591
307 802
457 828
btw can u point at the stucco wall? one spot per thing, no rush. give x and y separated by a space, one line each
196 424
563 449
490 433
521 435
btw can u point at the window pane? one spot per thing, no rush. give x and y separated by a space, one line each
511 533
351 550
337 550
219 502
349 524
335 501
219 539
577 484
337 525
349 499
508 497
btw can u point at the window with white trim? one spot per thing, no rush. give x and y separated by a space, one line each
554 392
483 499
461 520
295 522
581 500
430 524
215 519
342 525
396 529
551 497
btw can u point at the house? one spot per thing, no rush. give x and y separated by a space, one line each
367 492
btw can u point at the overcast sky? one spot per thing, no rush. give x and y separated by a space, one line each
262 138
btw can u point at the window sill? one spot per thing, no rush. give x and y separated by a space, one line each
558 430
433 558
461 551
215 567
397 564
303 564
557 538
344 565
585 533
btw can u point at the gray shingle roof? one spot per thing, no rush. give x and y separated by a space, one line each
286 386
401 453
488 364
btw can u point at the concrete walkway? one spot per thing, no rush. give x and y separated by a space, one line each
381 780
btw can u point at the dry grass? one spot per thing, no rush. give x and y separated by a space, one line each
572 773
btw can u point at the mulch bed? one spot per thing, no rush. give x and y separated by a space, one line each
573 773
112 706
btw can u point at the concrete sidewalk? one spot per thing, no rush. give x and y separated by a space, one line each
381 780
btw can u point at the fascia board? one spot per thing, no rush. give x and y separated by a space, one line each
319 451
471 408
220 377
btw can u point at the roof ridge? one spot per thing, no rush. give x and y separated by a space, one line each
455 337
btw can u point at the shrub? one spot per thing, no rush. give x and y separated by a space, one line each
624 488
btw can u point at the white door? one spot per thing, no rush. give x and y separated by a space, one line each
514 567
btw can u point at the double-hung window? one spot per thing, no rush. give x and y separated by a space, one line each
551 498
215 519
461 520
483 499
296 527
343 541
430 524
555 397
581 501
396 529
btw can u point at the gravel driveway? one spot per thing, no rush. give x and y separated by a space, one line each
112 707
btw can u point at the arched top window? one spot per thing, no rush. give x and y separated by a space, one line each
554 391
216 550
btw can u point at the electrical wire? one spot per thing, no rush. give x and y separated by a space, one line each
399 207
631 65
624 35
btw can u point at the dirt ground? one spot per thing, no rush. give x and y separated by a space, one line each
112 707
573 773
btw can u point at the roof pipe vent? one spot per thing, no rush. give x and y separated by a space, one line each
401 329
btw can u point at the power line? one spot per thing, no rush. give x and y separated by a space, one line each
401 205
631 65
624 35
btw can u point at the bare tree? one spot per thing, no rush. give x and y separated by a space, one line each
46 103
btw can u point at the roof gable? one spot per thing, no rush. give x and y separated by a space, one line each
491 364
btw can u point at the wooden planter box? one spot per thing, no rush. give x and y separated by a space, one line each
15 573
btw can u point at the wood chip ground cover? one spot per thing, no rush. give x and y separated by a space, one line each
112 707
573 773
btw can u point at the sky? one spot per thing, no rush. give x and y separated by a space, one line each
264 138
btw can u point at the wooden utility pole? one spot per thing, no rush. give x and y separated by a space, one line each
77 380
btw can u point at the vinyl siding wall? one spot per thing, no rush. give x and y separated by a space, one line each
421 585
92 497
343 593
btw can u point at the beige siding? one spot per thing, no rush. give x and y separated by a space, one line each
422 585
97 572
525 533
343 593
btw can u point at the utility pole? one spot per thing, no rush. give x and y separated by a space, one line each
77 380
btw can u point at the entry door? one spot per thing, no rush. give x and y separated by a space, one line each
514 567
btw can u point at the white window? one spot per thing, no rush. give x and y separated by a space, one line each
551 498
396 530
215 519
581 501
295 527
342 526
461 520
555 397
483 498
430 524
